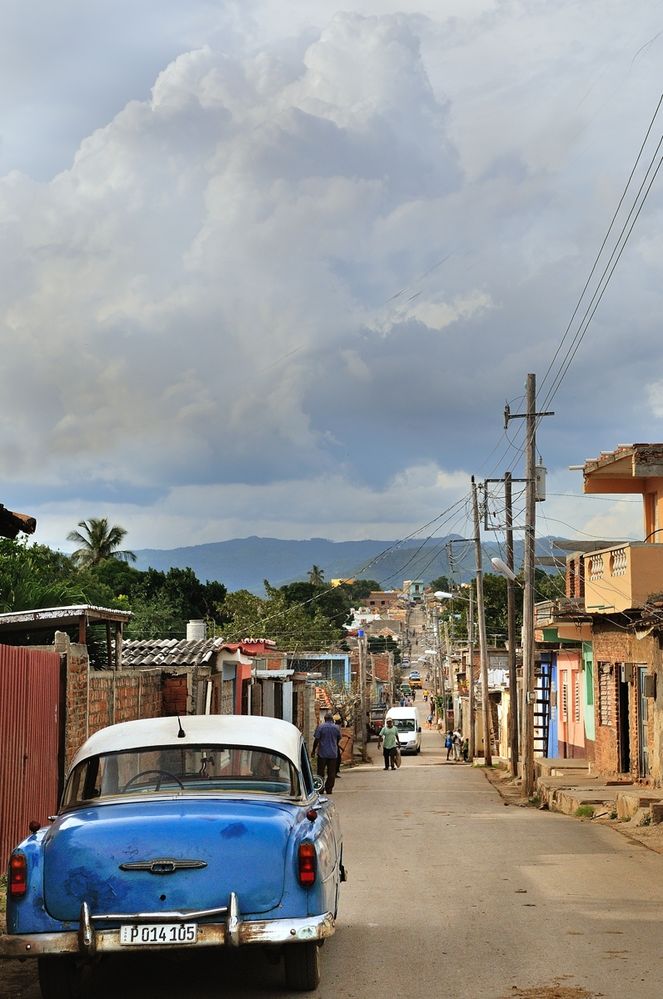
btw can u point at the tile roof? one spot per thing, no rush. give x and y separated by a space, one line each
173 652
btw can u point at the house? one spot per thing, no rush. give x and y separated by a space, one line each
609 680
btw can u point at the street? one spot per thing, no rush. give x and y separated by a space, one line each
450 893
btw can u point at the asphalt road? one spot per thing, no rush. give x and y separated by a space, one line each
451 894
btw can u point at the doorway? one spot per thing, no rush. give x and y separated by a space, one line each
643 711
624 725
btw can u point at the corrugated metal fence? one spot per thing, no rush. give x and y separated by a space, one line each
29 741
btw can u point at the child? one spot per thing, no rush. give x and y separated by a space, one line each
448 744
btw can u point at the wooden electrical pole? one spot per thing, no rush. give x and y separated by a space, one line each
470 644
529 687
483 652
511 630
362 648
528 596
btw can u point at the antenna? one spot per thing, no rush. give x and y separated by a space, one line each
181 734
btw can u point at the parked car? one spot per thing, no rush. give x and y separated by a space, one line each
415 678
212 832
409 729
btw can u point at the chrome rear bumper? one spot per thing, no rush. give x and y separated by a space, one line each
92 939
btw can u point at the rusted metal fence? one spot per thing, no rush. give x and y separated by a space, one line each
30 741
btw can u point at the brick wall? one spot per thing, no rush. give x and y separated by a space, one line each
175 695
76 709
381 664
613 646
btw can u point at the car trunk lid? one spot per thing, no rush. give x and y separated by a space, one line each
203 850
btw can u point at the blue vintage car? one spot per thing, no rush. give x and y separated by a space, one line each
209 832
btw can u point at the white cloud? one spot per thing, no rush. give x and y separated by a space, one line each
230 283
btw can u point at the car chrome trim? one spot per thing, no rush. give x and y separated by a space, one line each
162 865
254 931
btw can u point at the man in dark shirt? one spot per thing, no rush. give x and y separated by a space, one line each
325 743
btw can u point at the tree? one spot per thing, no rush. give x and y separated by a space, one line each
33 576
98 542
289 625
316 576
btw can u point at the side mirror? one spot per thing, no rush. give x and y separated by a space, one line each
318 784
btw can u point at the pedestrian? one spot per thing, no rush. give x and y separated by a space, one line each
457 741
429 720
325 743
389 736
466 750
448 743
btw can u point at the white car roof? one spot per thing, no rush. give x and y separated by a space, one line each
401 712
272 734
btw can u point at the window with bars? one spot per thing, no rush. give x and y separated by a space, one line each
565 701
606 695
577 699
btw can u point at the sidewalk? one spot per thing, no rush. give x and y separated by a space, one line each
567 786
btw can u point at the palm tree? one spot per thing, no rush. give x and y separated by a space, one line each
316 575
98 542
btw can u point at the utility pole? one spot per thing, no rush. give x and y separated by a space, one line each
528 596
470 643
447 653
362 649
529 689
511 629
485 702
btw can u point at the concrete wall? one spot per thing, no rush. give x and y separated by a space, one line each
630 574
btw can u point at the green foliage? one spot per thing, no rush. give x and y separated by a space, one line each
98 541
34 576
584 812
360 589
385 643
290 625
442 583
155 617
316 575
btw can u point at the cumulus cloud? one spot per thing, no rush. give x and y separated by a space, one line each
286 284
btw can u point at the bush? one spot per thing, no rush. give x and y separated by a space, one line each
584 812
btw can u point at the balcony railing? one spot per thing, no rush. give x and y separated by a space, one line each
548 613
623 577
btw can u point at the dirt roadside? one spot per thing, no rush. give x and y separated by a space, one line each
650 836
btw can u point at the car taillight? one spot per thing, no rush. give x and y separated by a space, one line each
18 875
308 863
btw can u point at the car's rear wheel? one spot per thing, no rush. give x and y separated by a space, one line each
302 966
60 978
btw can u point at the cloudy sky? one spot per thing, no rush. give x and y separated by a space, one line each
274 267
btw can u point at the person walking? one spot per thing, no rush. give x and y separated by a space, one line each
457 740
325 744
389 736
448 743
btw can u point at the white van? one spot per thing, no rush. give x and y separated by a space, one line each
409 729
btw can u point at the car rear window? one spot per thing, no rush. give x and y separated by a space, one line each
169 770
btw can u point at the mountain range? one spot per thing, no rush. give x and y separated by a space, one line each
244 563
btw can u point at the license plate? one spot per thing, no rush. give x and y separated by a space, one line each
159 934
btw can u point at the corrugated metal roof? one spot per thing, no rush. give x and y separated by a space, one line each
57 615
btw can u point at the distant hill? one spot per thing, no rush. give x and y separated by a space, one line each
243 563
